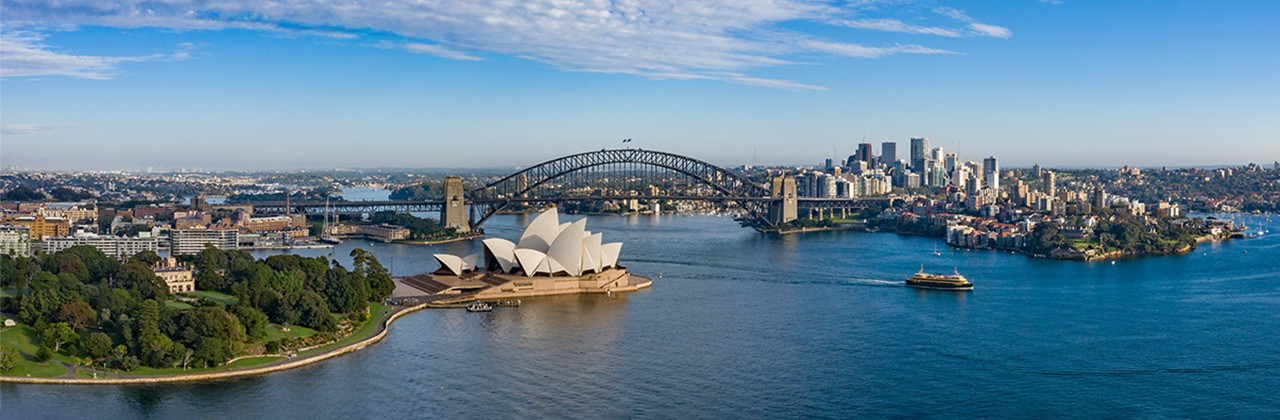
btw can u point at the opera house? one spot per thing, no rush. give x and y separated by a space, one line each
550 258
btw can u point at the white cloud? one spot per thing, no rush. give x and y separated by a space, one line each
439 50
25 54
714 39
975 27
895 25
12 129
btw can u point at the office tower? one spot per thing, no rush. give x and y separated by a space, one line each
919 153
864 152
888 152
829 165
949 163
991 173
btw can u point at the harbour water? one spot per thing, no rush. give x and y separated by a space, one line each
740 324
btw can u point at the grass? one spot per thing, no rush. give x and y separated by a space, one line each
376 312
26 341
276 332
219 298
181 306
8 291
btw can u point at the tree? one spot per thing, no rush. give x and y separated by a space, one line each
150 258
213 333
22 193
120 359
57 334
8 358
78 313
253 320
366 266
43 354
138 277
97 345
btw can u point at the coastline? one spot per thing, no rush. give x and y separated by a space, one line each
384 327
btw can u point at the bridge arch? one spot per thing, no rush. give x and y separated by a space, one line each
499 194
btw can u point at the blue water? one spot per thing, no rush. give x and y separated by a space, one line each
740 324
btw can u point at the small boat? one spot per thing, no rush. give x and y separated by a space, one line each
935 251
923 280
479 306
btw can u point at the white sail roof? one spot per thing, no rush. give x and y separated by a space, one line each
592 255
610 253
541 231
503 251
452 262
566 250
530 260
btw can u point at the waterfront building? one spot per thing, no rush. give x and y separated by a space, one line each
888 152
15 241
991 173
383 232
41 227
113 246
192 241
180 278
919 153
546 247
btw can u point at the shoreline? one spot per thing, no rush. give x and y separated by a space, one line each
230 374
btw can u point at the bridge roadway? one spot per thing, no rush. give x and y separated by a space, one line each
422 206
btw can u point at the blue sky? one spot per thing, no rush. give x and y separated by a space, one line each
94 84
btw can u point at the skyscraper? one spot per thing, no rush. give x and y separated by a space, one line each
991 173
864 153
919 152
888 152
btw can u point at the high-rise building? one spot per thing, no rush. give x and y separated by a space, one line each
949 163
991 173
919 153
1049 180
829 164
888 152
864 153
192 241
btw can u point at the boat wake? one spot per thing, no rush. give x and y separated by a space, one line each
876 283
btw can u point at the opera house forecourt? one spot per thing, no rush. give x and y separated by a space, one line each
550 258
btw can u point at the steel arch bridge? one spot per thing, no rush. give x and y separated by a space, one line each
630 169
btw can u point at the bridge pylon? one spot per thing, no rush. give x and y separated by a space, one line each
784 207
454 212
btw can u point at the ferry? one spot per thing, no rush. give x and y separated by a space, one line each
925 280
479 306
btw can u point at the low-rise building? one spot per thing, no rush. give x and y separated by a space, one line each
15 241
192 241
118 247
180 278
41 226
384 232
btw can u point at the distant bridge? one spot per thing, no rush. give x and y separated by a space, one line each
605 175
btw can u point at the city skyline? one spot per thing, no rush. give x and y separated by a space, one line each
130 85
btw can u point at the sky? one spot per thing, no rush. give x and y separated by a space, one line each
295 84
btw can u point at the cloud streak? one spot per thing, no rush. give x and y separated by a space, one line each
715 39
24 54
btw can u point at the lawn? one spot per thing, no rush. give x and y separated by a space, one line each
376 313
276 332
181 306
26 341
219 298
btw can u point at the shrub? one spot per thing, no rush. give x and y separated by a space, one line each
44 354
